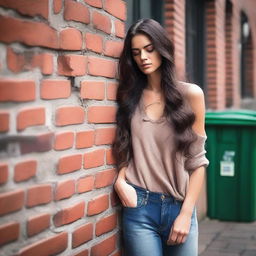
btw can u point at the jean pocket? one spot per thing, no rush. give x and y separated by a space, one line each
140 201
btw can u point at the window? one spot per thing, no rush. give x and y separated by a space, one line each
246 59
137 9
195 42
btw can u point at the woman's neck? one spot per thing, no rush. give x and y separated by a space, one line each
154 81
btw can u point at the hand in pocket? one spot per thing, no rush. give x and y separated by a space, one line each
126 193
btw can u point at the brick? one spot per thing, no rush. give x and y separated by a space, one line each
4 121
105 136
38 223
105 178
69 214
82 235
28 60
25 170
69 115
104 248
106 224
111 91
27 32
94 158
101 67
9 232
101 22
72 65
30 117
85 139
82 253
75 11
44 61
120 29
85 184
71 39
40 143
17 90
109 156
39 194
98 205
48 246
117 8
55 89
15 62
94 3
11 201
57 6
113 48
28 7
94 42
101 114
65 189
63 140
69 164
3 173
92 90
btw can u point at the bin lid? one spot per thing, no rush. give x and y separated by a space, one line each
231 117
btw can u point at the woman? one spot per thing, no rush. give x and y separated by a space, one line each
159 147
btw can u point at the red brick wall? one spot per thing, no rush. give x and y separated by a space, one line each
222 48
175 26
58 64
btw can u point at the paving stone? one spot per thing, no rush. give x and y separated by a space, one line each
249 253
218 238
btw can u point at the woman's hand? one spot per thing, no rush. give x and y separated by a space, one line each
180 229
126 193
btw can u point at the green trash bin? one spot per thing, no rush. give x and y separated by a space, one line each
231 175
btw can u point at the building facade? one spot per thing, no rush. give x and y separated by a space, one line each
58 68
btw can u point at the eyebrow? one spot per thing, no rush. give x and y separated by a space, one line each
142 47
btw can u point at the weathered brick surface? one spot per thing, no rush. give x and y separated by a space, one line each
4 121
39 194
38 223
9 232
69 214
25 170
17 90
98 205
4 173
82 235
105 247
48 246
11 201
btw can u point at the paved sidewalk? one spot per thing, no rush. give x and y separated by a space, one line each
218 238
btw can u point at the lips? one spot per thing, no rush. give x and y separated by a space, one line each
145 65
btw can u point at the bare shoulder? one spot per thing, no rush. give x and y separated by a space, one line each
191 91
195 97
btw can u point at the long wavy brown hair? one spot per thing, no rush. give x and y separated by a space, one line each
131 84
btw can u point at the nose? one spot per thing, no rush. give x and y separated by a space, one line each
143 54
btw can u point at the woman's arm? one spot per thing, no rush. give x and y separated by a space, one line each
126 192
181 226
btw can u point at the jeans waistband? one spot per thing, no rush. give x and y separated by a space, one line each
155 196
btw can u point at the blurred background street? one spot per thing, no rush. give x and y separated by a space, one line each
219 238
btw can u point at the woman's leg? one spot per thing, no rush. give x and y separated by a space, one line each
140 228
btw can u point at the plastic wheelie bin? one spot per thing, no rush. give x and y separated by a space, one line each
231 175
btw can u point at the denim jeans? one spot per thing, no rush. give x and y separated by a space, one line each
146 227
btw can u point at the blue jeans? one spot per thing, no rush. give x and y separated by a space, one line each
146 227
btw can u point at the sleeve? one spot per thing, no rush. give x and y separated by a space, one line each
197 156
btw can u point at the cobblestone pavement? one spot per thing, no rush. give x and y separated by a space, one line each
218 238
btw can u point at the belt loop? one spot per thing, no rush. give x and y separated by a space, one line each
147 195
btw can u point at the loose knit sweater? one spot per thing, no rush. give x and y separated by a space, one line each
154 165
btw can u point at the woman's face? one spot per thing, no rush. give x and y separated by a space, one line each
145 55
